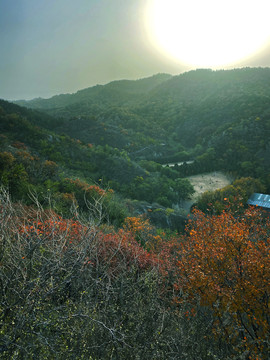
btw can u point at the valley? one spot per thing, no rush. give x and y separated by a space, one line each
207 126
100 255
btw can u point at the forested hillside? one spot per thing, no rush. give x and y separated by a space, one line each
221 119
98 258
39 160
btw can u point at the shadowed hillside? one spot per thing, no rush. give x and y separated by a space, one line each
220 119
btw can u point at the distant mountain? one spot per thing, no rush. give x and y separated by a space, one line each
197 103
119 92
221 118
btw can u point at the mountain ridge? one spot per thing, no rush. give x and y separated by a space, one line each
220 118
139 86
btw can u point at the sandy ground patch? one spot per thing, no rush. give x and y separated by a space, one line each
208 182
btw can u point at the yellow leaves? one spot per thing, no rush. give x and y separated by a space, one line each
6 159
143 231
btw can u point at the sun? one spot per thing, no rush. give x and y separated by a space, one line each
208 33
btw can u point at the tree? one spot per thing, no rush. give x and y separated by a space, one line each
13 174
183 188
225 262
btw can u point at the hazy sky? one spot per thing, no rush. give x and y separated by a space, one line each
49 47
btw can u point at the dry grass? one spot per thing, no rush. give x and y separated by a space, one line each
208 182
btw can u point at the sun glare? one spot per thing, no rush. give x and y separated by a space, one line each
208 33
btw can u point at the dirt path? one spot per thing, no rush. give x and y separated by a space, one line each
208 182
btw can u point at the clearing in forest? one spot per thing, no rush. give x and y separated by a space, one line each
208 182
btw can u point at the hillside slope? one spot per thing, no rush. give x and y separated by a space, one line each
114 93
220 119
66 171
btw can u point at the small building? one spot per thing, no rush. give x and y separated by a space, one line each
262 200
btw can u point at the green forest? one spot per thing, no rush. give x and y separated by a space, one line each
99 257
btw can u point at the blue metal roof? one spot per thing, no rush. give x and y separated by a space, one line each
262 200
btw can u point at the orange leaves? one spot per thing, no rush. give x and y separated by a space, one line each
137 225
6 159
96 189
24 156
143 232
19 145
226 260
89 189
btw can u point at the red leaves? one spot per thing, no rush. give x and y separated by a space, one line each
117 251
120 251
90 189
222 260
53 227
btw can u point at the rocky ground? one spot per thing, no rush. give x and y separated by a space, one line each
208 182
205 182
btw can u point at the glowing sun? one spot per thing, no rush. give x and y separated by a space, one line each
208 32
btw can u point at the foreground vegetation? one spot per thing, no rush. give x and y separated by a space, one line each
78 289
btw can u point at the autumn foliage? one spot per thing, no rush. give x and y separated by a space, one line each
224 261
71 231
121 252
213 279
117 251
144 233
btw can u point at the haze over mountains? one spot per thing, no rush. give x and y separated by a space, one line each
166 117
124 131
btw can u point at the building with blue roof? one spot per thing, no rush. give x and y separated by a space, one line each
262 200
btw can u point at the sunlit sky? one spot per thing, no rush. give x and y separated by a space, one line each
49 47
